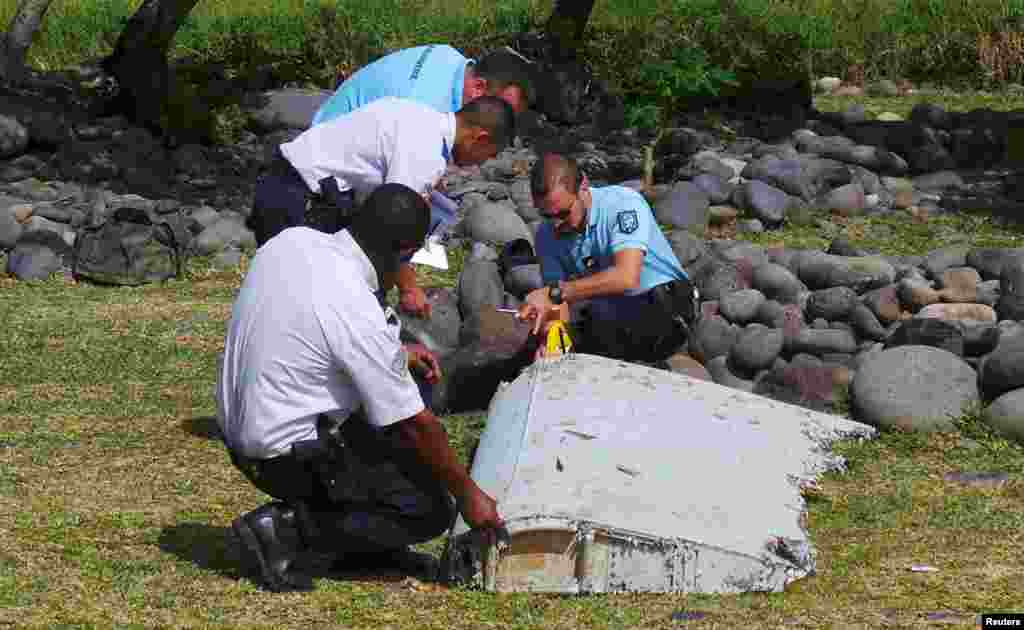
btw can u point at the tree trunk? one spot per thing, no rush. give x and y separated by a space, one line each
567 23
139 60
15 43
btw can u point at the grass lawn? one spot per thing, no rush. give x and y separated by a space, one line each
116 495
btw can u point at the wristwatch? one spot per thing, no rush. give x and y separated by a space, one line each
555 293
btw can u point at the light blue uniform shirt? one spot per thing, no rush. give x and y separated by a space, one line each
619 218
432 75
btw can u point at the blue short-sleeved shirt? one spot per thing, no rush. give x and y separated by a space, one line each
432 75
619 218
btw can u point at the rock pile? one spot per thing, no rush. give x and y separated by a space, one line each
909 342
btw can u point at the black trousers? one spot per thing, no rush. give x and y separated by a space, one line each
282 200
647 328
355 492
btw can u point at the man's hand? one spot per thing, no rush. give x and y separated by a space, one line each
539 309
480 512
423 362
413 300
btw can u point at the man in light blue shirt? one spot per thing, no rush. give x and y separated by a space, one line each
603 245
436 75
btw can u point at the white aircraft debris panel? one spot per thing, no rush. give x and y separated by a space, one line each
618 477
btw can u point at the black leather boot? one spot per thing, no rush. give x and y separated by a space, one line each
271 534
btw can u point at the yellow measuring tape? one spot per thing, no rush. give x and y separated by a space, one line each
558 341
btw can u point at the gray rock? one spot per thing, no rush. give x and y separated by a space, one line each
479 284
10 229
1006 415
741 307
848 200
720 373
989 261
720 278
495 223
1011 290
940 180
810 386
866 324
686 207
440 333
778 283
767 203
929 115
203 217
226 231
522 279
710 163
287 108
756 348
832 304
13 137
1003 369
687 247
718 190
935 333
860 273
884 302
482 251
519 192
37 255
750 226
41 224
713 337
942 259
819 342
988 293
980 338
915 388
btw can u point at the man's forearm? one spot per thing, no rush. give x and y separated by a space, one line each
425 436
603 283
406 277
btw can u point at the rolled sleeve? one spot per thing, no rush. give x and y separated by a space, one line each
379 369
371 354
629 227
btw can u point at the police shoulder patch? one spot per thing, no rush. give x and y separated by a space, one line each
628 221
400 364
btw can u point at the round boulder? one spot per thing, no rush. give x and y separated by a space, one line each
740 307
1006 415
913 388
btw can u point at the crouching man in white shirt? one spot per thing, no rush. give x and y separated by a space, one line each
318 409
317 179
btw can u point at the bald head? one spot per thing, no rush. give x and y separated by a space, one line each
553 171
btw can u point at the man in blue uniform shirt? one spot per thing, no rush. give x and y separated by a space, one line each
603 246
435 75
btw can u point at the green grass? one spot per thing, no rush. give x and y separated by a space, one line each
116 496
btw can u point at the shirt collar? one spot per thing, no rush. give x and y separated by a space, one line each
359 257
447 135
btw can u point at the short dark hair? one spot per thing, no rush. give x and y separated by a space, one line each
502 68
392 216
492 114
552 170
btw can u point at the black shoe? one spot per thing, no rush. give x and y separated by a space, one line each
271 535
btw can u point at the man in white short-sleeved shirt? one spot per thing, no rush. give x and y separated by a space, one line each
317 406
390 140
